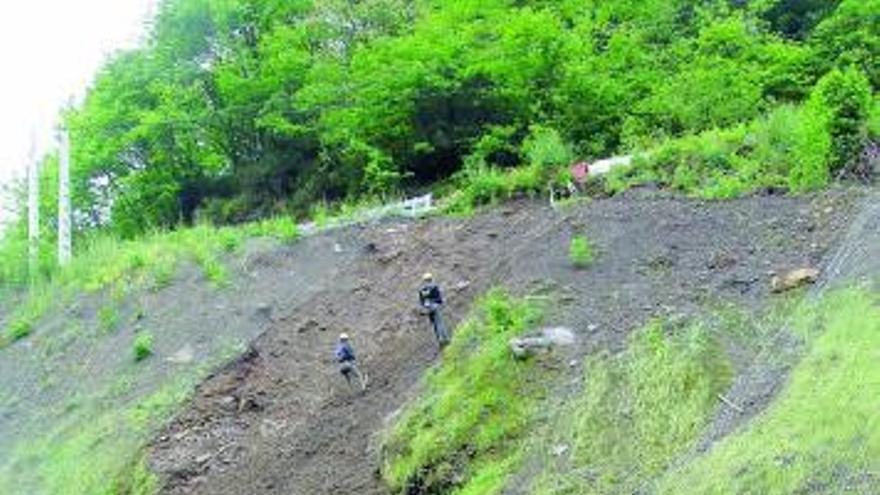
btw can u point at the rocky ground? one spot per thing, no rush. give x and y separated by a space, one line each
280 419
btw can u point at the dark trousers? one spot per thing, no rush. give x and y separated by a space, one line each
349 368
440 331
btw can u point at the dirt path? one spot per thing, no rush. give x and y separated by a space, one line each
279 420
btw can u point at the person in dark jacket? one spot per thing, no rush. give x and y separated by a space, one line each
431 300
347 360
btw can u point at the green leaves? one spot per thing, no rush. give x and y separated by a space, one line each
259 107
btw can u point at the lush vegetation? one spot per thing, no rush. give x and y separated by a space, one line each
794 147
822 433
462 436
240 109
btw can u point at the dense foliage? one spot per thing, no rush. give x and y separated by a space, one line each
235 109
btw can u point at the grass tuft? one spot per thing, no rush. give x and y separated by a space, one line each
580 251
143 346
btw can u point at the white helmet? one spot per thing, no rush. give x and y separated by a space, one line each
343 336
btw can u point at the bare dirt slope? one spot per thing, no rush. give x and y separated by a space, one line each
280 421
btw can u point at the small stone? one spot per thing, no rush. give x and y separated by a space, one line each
461 285
560 450
264 310
184 355
573 363
337 248
592 327
203 458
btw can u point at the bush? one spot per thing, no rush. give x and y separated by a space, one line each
844 97
788 148
143 346
20 328
873 124
580 252
545 149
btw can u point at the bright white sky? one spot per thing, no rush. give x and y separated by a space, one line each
49 51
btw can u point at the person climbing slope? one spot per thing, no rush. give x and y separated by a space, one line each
431 300
344 354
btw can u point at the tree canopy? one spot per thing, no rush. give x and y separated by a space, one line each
236 109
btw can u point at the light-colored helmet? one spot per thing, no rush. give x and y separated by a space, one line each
427 277
343 336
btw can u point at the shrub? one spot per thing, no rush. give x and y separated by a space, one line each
788 148
580 251
545 149
143 346
873 124
844 97
21 328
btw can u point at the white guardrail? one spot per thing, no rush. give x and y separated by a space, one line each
411 208
422 205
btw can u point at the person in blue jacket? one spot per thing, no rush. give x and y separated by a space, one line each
347 360
431 300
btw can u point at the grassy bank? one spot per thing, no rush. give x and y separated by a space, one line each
638 410
151 262
463 434
484 421
822 434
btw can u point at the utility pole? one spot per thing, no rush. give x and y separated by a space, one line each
63 197
33 210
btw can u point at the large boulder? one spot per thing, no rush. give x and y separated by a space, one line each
542 342
794 279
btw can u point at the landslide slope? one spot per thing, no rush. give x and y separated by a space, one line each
279 420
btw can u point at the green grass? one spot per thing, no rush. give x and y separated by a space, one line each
104 263
580 251
639 409
788 148
108 318
95 450
136 479
143 346
822 434
486 185
462 435
93 444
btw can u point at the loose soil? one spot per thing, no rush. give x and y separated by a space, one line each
280 419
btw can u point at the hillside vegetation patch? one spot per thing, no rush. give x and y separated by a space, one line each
124 266
822 434
462 434
638 410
